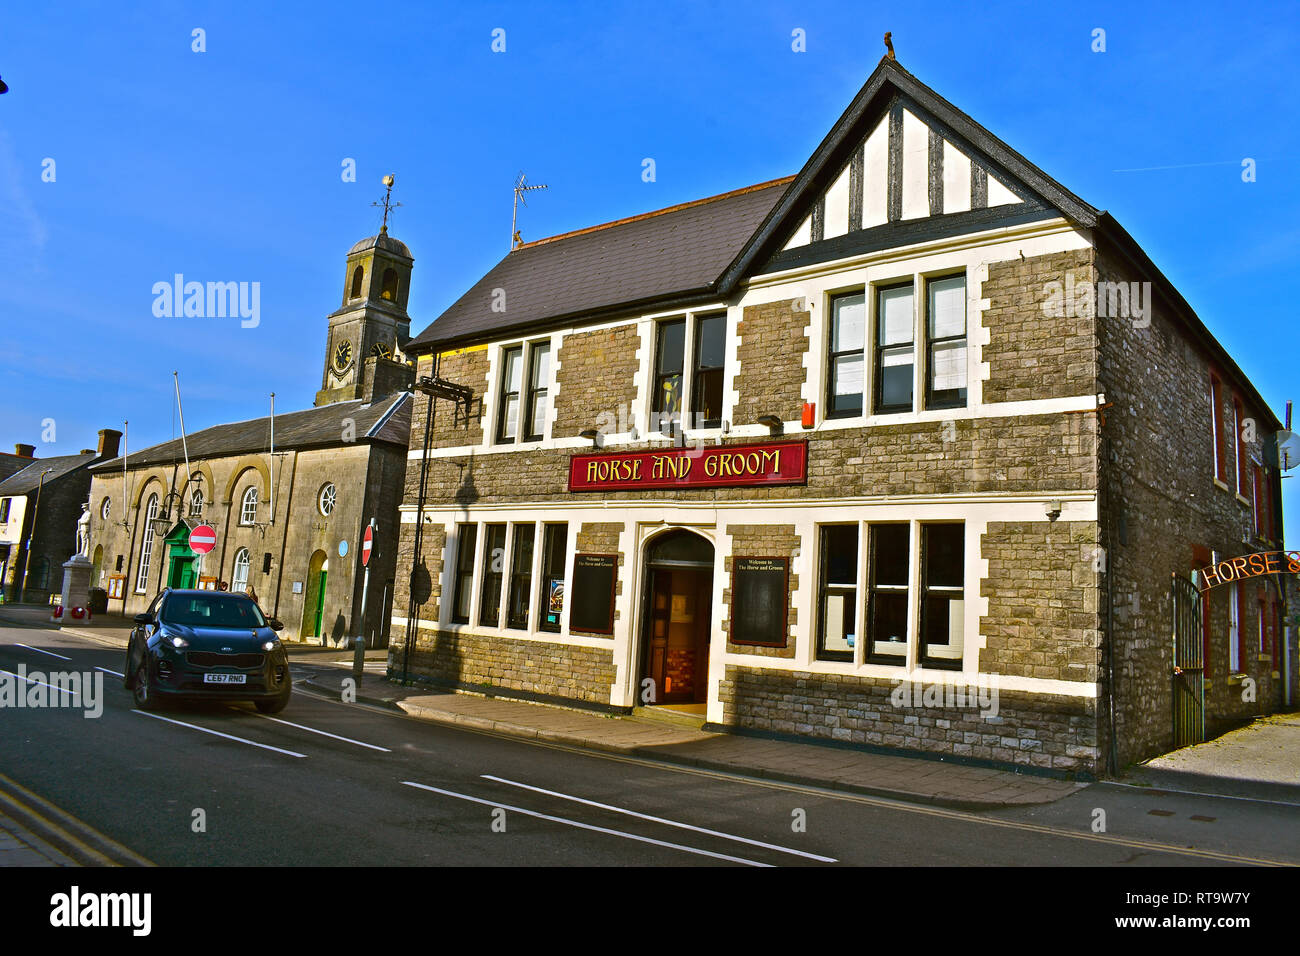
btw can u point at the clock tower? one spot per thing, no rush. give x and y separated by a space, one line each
372 322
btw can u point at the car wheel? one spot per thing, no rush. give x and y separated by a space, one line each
271 705
142 690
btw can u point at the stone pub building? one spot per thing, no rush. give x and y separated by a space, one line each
908 450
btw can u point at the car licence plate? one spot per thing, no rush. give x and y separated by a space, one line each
223 678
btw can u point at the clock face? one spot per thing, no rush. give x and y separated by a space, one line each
342 356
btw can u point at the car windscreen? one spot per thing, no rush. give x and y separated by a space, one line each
215 610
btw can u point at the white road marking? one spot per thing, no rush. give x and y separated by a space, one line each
323 733
107 671
671 823
587 826
39 651
32 680
217 733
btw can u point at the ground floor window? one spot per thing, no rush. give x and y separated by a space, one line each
532 566
521 570
466 539
943 613
936 602
890 561
239 580
1234 629
837 600
494 556
551 586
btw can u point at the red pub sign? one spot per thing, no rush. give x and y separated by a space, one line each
712 466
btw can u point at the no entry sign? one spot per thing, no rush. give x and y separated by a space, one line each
203 539
367 543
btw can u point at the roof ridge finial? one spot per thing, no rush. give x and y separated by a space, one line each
889 45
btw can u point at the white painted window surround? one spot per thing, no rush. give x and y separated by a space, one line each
641 518
813 287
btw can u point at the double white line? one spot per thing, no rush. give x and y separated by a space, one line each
622 833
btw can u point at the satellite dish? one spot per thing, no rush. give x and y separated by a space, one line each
1288 450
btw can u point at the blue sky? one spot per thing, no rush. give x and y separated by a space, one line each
225 165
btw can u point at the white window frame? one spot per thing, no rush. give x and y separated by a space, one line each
247 514
650 374
146 545
1234 628
329 486
911 660
238 586
528 349
196 512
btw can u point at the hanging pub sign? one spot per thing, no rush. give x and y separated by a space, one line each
1249 566
713 466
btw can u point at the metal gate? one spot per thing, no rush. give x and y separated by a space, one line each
1189 663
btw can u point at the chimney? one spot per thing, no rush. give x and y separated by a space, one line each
25 451
108 442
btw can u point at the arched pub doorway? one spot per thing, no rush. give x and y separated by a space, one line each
676 621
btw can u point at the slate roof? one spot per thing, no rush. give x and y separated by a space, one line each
677 252
26 481
386 420
11 464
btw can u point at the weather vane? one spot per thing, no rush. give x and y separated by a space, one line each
387 203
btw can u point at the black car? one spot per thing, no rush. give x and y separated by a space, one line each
207 645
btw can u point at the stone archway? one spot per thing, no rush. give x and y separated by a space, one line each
676 621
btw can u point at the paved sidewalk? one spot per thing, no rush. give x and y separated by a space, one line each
912 779
21 847
1260 760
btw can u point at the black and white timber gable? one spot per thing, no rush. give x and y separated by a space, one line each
902 165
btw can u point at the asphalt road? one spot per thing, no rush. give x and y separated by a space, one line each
335 784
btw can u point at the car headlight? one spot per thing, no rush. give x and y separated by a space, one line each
179 642
270 645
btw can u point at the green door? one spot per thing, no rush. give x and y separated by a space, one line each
181 573
320 603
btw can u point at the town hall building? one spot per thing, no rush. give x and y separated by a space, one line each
288 497
914 449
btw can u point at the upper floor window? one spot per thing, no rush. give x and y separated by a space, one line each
196 503
4 508
670 360
706 378
357 273
697 343
895 349
520 365
1216 424
945 360
327 498
105 509
248 507
1243 450
847 355
896 329
390 285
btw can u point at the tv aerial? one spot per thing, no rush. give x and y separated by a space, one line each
520 189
